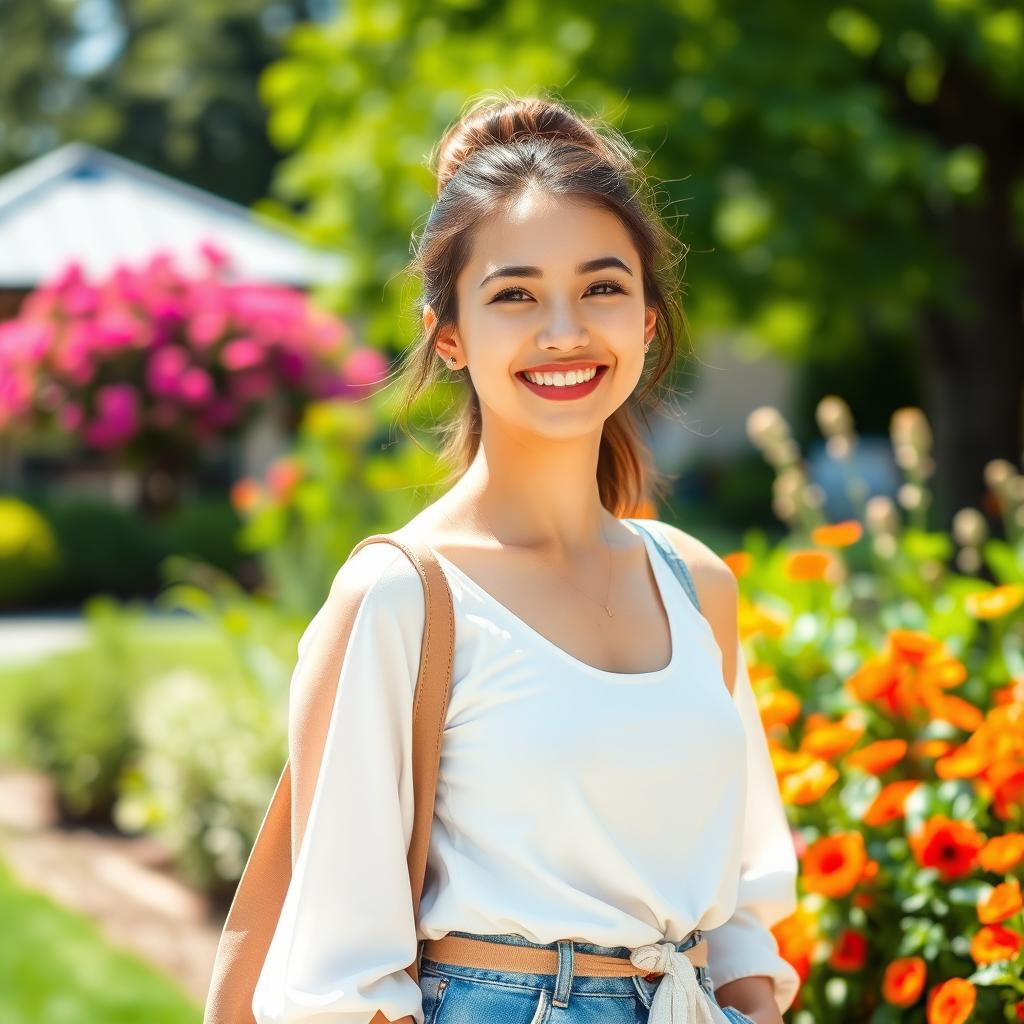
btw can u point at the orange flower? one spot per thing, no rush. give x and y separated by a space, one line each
850 953
911 646
778 707
994 603
955 710
739 562
1002 902
994 943
803 566
283 476
941 670
245 494
809 784
952 1002
797 936
1002 853
785 761
874 678
837 535
1013 691
888 805
1007 782
930 748
878 757
831 740
963 762
950 846
903 981
833 865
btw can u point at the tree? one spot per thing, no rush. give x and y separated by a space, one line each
848 175
172 85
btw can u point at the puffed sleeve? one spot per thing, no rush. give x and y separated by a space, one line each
346 932
744 945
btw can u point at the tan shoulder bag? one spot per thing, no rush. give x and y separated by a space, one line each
256 906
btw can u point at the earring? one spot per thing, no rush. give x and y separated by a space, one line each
647 345
452 361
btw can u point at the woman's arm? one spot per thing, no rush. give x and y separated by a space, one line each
346 932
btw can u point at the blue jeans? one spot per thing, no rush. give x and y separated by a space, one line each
470 995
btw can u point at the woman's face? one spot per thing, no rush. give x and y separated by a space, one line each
526 299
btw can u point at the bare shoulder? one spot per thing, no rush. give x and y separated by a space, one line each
717 590
714 580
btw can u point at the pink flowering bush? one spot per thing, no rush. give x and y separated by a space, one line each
150 364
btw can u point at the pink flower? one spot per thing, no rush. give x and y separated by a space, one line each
241 354
365 367
116 329
196 386
216 257
165 369
207 326
70 416
117 416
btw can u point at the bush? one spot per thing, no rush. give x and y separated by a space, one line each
890 680
28 552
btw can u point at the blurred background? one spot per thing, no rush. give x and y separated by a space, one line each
205 212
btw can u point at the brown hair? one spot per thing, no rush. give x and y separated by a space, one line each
498 149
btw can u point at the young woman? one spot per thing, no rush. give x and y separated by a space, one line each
608 843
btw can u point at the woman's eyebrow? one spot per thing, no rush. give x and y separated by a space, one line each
583 268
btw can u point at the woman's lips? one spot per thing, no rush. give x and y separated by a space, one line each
564 394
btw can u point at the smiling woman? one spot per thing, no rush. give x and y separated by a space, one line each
607 841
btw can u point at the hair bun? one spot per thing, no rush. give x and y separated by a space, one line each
501 122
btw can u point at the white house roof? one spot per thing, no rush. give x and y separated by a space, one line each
82 203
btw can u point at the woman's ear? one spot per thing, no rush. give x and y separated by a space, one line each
446 341
650 323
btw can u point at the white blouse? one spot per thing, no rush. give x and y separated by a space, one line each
572 802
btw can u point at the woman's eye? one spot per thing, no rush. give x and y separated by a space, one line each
607 284
509 292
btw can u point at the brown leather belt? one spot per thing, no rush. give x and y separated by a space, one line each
463 951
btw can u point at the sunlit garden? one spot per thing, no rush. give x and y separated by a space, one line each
192 442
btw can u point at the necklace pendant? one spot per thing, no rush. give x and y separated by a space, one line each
608 610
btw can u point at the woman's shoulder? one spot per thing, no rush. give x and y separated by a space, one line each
709 570
717 591
378 577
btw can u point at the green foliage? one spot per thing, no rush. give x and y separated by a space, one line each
69 715
810 150
28 551
341 482
101 548
57 966
171 85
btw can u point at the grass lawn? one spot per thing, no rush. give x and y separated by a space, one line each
55 967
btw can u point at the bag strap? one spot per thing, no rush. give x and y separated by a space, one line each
256 906
672 556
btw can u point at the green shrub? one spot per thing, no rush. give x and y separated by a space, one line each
29 553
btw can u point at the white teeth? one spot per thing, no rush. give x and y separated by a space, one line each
561 380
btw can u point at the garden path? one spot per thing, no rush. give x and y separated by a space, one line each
125 884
